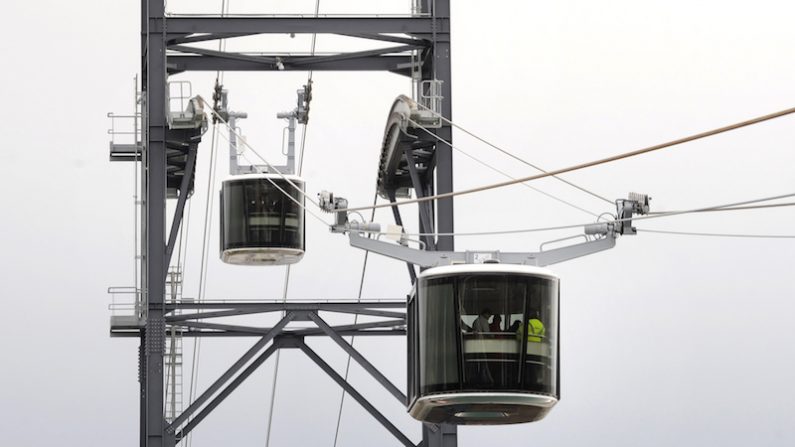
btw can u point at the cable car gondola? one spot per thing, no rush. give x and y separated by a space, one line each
259 224
467 371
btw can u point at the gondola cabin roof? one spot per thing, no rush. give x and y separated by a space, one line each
265 176
493 268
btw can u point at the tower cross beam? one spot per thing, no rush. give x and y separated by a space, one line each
303 25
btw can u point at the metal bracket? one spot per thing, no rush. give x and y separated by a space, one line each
604 238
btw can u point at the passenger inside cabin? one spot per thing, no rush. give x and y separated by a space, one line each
496 324
535 328
515 326
481 323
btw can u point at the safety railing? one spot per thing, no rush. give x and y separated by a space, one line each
125 133
125 301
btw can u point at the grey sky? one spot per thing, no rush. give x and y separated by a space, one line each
665 339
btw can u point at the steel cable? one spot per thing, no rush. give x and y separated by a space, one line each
728 207
196 353
730 235
287 272
515 157
581 165
269 166
472 157
355 320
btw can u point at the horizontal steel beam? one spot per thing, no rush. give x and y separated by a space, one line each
313 60
203 37
270 60
386 38
352 327
316 333
302 25
215 314
251 330
275 307
223 327
370 312
236 312
180 63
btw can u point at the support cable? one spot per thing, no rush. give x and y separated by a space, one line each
293 199
739 208
472 157
288 270
582 165
732 235
203 269
632 219
355 321
515 157
270 167
196 353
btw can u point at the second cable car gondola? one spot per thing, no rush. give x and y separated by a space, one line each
260 224
483 344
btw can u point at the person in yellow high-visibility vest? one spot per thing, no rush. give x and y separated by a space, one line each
535 328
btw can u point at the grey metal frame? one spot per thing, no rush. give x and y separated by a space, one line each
281 336
428 258
165 50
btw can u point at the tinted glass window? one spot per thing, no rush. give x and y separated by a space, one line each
539 334
490 351
411 340
506 333
257 214
438 349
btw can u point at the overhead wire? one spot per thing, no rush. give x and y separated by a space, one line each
739 208
472 157
633 219
581 166
270 167
729 235
309 85
355 321
289 269
196 353
293 199
510 154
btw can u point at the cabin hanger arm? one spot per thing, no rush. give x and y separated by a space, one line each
599 237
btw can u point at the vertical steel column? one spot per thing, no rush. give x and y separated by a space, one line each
444 435
441 70
144 130
142 392
154 206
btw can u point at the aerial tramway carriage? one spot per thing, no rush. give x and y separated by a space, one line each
483 338
262 207
483 344
262 219
482 326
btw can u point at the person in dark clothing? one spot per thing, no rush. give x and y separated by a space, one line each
496 324
515 326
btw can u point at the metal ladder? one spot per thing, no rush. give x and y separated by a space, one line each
173 357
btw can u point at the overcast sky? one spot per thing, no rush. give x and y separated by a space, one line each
665 339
